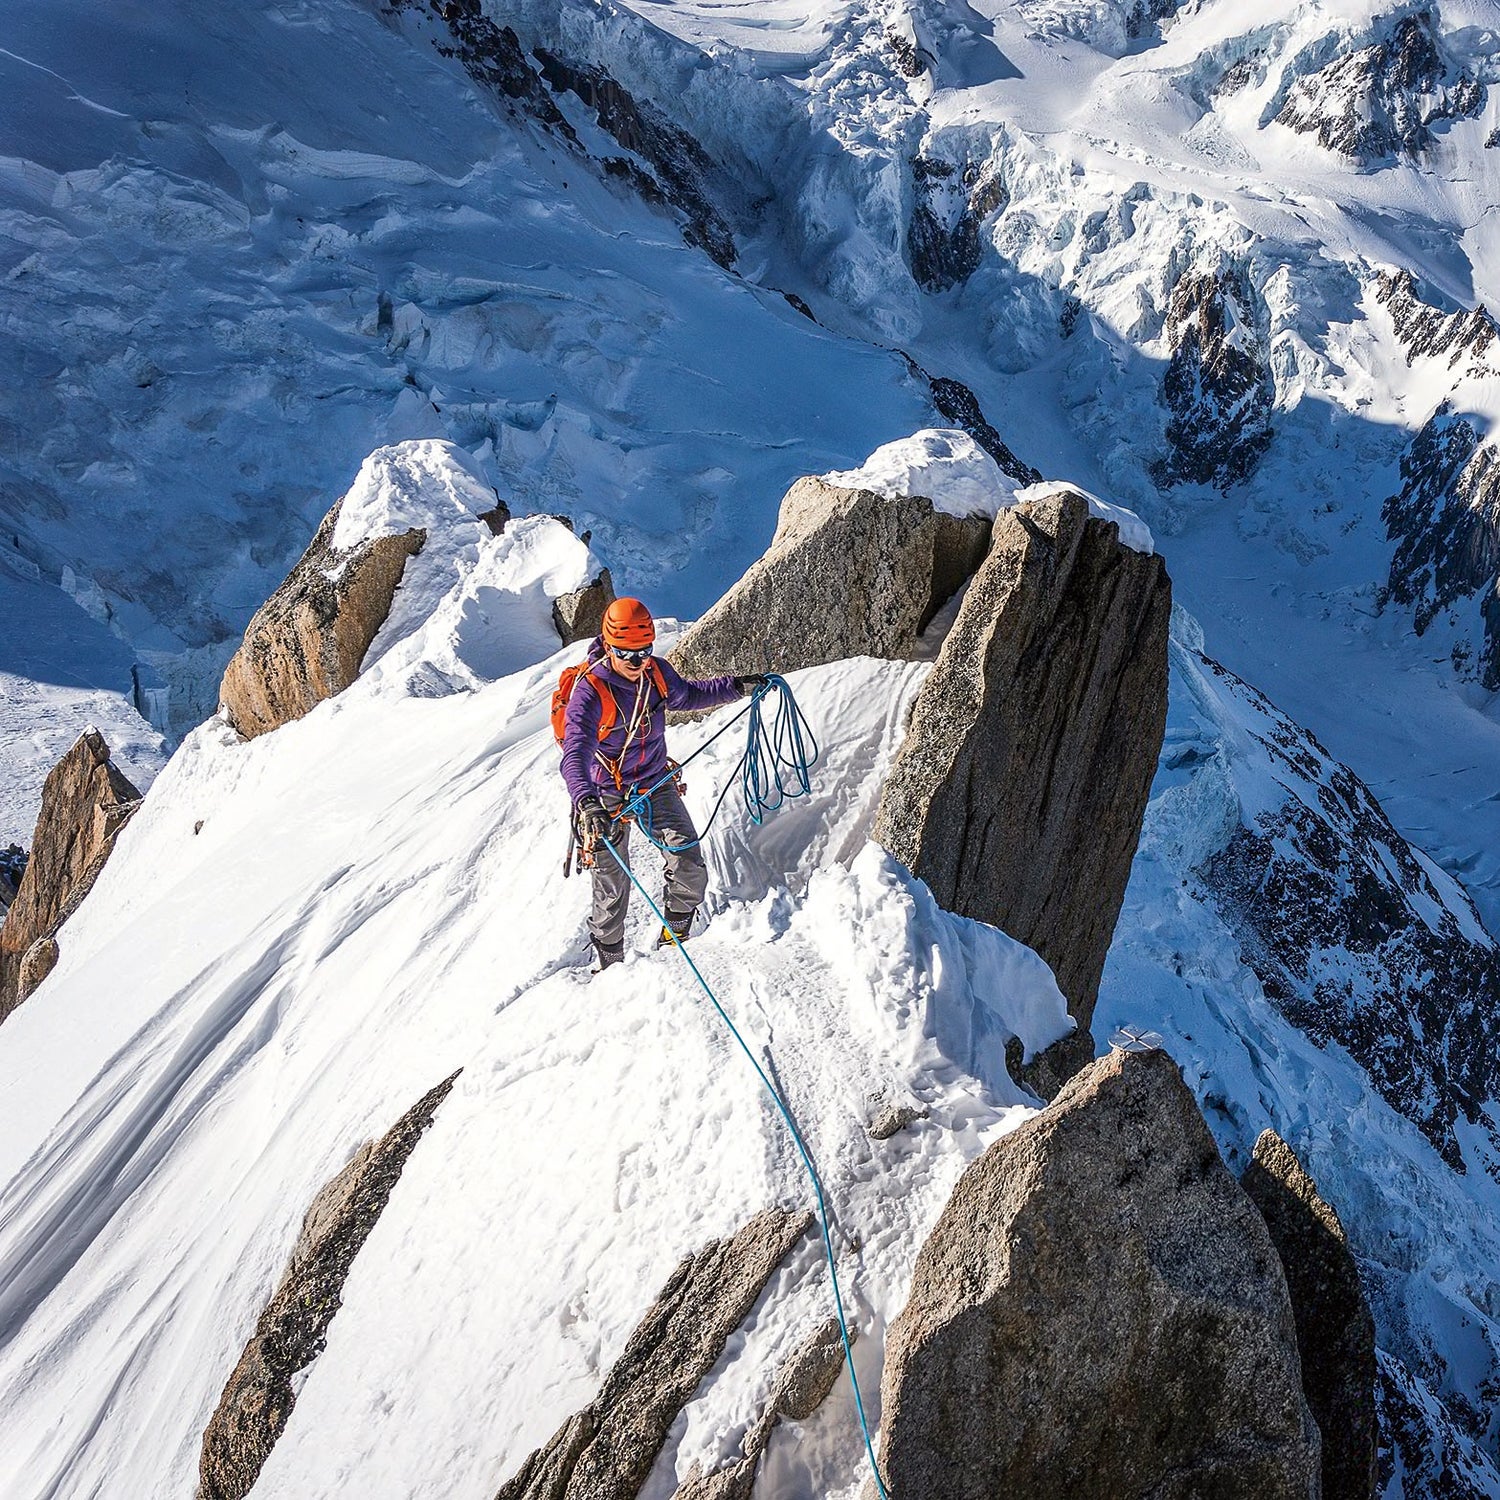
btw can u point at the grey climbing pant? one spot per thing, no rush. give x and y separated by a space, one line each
686 872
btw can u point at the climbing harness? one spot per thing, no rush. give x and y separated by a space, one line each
774 769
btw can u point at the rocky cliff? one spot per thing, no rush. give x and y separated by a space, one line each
1382 99
1445 521
1018 792
1217 390
950 205
848 573
661 162
1335 1332
606 1451
86 801
291 1332
306 642
1099 1312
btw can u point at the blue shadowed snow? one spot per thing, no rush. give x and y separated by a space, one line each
60 671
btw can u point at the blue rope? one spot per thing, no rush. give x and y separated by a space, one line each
775 767
791 1125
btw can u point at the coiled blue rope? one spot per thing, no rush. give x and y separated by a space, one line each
776 766
807 1161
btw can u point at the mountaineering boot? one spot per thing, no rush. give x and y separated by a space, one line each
676 930
604 956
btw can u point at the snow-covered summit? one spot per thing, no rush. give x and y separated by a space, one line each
949 468
431 486
943 464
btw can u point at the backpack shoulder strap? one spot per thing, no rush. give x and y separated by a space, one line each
609 710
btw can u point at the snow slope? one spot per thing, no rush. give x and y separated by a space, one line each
299 935
375 898
223 281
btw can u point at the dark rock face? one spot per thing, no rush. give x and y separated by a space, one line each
681 169
1445 518
1445 521
579 616
1146 15
1103 1281
950 204
1431 332
959 405
912 61
1019 790
12 868
1053 1066
1335 1332
670 167
1382 100
1351 937
306 642
492 56
292 1331
848 573
606 1451
801 1388
1423 1453
1218 389
86 801
498 518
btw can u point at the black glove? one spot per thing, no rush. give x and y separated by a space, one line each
751 682
593 821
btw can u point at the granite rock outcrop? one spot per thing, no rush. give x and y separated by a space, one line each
86 802
1018 793
290 1333
579 615
848 573
605 1452
1100 1277
1335 1332
306 642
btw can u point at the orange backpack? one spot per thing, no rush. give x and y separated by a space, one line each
608 710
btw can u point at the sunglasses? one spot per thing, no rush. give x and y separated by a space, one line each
632 658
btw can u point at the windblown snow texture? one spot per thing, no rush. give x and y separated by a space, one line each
1225 268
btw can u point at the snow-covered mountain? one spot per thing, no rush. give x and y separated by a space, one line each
366 900
301 935
645 265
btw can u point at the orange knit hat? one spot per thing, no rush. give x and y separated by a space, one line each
628 625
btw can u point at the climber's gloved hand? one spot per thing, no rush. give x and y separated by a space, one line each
748 684
593 821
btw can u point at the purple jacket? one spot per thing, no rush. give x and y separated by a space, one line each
645 757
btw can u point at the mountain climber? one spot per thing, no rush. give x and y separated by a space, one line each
614 743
